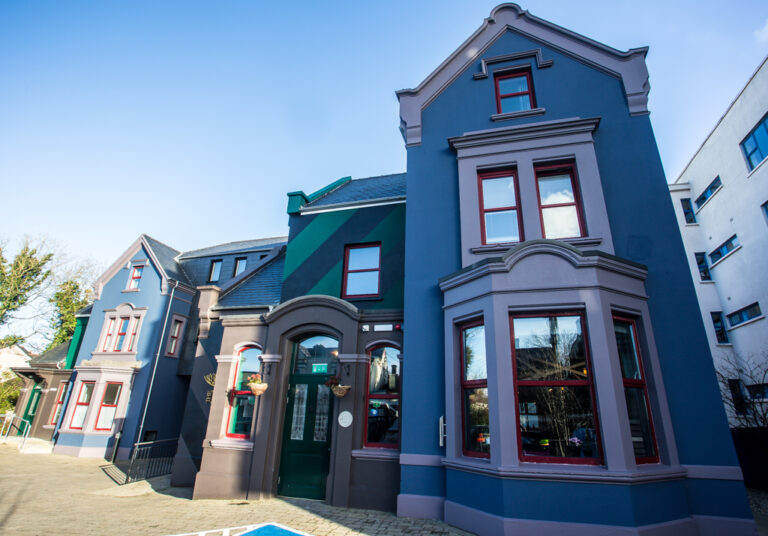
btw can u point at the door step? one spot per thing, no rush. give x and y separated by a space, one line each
31 446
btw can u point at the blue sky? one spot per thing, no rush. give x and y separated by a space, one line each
190 121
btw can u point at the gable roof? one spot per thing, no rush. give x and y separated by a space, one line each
229 248
162 256
628 66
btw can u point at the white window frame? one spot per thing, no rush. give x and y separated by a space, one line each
108 337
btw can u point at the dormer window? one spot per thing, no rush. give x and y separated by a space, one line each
240 263
499 207
514 92
215 272
135 279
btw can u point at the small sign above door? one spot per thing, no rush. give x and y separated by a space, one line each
319 368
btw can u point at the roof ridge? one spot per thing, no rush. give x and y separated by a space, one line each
232 242
380 176
145 235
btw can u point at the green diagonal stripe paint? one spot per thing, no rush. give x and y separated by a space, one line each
390 231
329 284
312 237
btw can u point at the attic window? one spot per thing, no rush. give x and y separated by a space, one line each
514 92
135 279
215 272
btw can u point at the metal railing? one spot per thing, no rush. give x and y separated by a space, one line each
8 425
150 459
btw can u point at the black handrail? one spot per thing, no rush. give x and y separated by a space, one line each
150 459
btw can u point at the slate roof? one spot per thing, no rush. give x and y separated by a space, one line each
53 356
367 189
166 256
235 247
261 288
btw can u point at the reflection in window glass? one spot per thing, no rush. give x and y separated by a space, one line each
640 426
361 271
81 405
317 355
242 414
108 406
383 415
554 392
321 413
557 201
250 363
474 385
499 207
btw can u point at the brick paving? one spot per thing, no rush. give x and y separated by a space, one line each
60 495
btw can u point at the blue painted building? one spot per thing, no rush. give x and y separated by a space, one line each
518 339
554 335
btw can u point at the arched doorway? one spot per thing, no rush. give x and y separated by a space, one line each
306 446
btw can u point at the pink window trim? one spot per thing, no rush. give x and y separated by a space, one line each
108 335
235 391
173 342
122 334
103 405
136 274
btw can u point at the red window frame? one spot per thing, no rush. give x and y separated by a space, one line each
469 384
103 405
516 74
134 332
559 169
598 460
235 391
78 403
369 396
173 337
640 384
108 336
120 338
495 175
347 271
59 404
135 276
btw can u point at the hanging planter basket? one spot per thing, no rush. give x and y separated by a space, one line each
340 391
258 388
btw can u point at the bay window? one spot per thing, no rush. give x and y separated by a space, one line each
553 387
635 391
106 416
82 402
500 220
476 434
382 424
242 400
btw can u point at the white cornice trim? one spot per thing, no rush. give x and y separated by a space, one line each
628 66
529 131
400 199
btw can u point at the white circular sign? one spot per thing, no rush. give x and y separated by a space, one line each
345 419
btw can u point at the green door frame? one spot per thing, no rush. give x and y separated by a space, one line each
32 404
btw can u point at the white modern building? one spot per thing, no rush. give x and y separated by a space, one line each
721 202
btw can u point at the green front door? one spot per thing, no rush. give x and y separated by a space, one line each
29 414
305 457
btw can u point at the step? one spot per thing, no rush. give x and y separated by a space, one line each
31 446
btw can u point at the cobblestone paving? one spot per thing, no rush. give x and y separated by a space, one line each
60 495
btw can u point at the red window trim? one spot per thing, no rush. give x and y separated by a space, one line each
236 391
110 326
78 403
514 74
481 176
589 382
347 271
134 331
134 277
556 169
121 333
368 397
173 340
59 402
468 384
628 382
103 405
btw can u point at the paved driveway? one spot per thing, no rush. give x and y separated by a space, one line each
59 495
